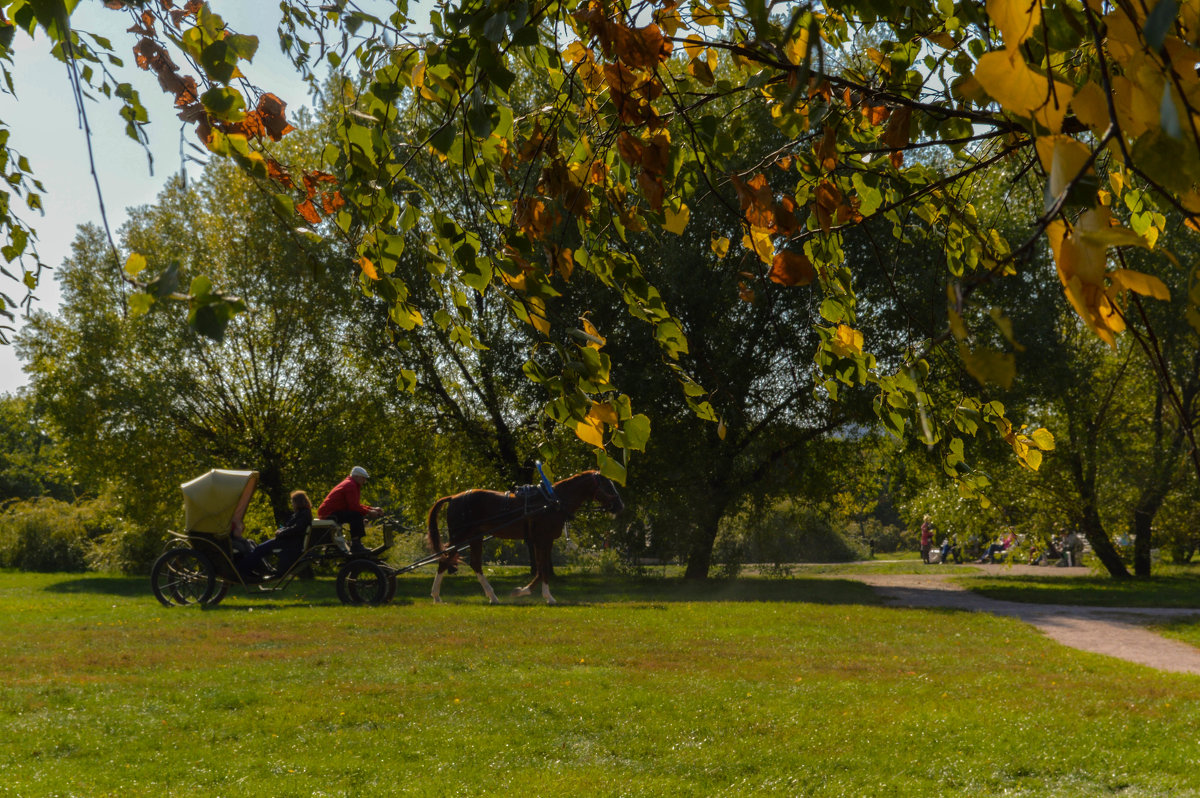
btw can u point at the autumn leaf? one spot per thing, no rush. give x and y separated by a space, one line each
309 212
791 268
846 341
676 221
590 431
368 268
1016 19
719 246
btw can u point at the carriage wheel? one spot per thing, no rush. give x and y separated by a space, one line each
363 582
219 593
391 588
183 576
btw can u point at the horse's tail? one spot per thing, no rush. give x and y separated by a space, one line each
435 540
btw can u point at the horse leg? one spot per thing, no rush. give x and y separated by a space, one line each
437 585
477 567
543 562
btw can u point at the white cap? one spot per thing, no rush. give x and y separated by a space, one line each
359 471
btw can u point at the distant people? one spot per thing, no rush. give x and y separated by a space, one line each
926 538
1051 553
344 505
288 540
1072 549
999 549
950 550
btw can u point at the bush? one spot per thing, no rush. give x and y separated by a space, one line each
778 536
47 535
126 548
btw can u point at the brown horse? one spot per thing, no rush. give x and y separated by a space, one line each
474 514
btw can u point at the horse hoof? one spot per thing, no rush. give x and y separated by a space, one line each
551 601
519 592
493 600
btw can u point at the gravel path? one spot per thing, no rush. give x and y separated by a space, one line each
1117 632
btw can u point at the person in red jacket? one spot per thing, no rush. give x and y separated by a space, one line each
344 505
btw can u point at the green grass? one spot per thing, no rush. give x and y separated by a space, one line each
630 687
1170 587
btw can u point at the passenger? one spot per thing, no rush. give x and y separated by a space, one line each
288 540
344 505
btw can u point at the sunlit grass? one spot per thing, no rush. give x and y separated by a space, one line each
1172 587
642 687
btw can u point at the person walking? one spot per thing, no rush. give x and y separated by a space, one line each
344 505
926 538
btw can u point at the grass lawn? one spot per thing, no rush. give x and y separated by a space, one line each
1171 586
630 687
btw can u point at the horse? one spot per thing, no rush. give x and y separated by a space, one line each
528 514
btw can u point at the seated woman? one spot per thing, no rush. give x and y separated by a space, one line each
288 540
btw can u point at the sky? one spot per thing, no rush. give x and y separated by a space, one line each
45 128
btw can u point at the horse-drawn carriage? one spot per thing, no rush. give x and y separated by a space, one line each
199 565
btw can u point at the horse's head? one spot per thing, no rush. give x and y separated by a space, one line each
606 495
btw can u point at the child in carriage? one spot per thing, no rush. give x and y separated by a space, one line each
288 540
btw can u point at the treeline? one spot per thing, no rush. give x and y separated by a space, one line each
319 375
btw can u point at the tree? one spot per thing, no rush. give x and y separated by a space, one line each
141 401
1097 98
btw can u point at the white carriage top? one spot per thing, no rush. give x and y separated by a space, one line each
216 501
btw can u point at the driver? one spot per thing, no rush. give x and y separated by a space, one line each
344 505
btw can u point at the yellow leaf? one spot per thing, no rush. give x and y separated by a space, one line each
759 240
602 412
1043 439
674 222
1091 107
721 429
1009 80
368 268
589 431
1063 158
1144 284
597 340
986 365
846 342
797 49
694 45
1016 19
134 264
720 246
537 315
575 53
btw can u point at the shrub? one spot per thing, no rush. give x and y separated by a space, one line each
782 534
126 548
46 535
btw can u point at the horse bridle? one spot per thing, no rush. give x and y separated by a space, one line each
613 499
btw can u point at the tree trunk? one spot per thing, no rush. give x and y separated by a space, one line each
705 535
1093 530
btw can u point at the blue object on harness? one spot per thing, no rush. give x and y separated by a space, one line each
547 488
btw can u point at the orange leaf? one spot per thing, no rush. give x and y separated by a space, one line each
309 212
790 268
827 152
368 268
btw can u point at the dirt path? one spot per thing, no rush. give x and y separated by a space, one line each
1117 632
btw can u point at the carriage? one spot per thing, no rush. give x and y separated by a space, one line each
199 566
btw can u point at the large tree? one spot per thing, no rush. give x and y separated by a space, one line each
1097 98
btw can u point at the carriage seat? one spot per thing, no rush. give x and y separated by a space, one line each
326 531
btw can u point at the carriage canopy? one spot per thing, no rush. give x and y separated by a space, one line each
213 501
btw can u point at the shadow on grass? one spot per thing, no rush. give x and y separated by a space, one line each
103 585
1181 591
573 589
589 589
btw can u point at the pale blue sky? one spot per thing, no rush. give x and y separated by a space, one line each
45 129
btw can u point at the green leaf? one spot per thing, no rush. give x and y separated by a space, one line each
1158 23
225 104
637 432
610 467
140 304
